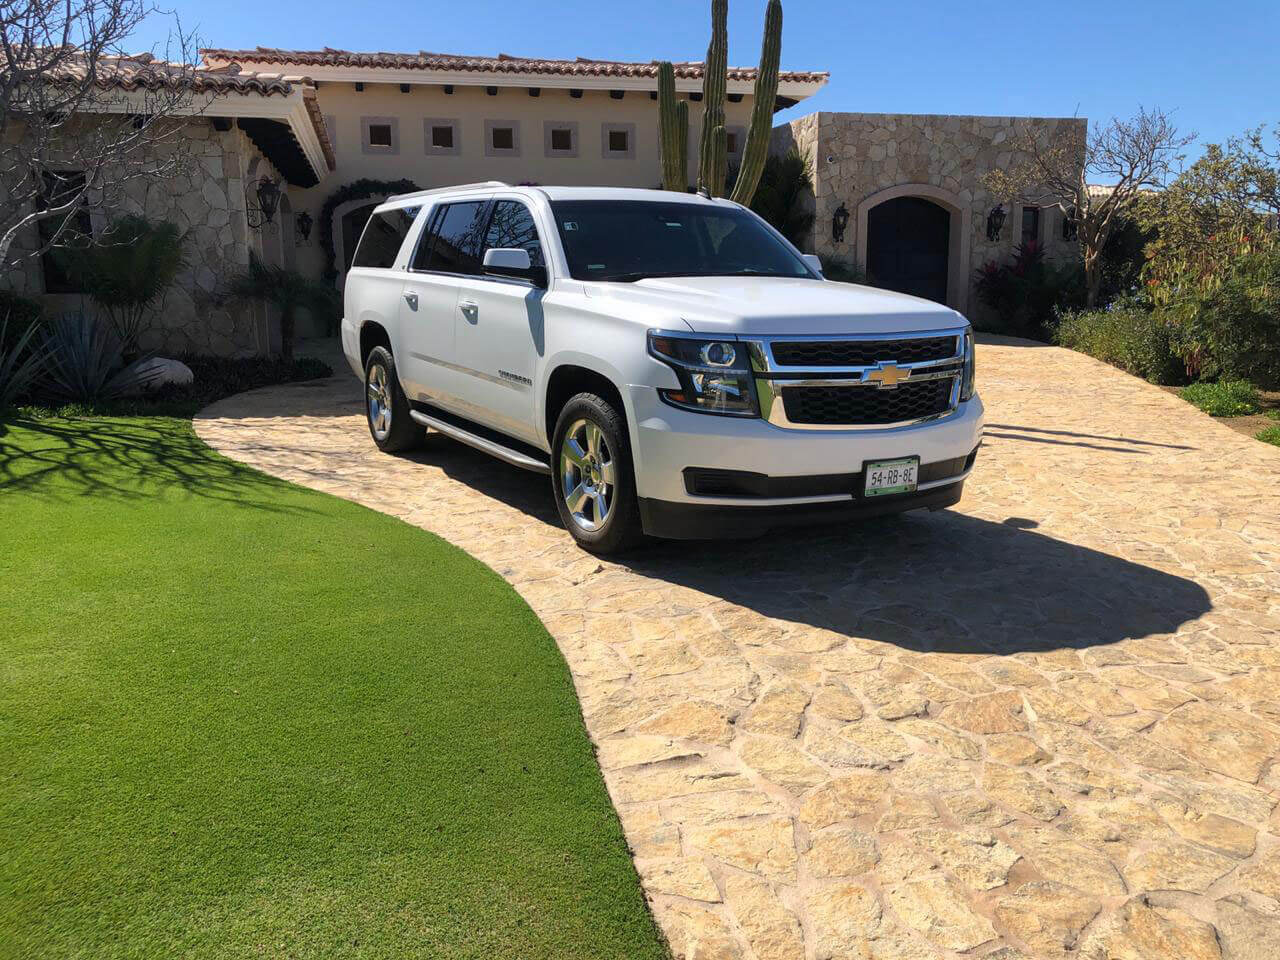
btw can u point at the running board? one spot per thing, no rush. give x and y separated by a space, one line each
483 444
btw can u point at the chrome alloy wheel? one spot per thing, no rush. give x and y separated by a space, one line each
379 399
588 475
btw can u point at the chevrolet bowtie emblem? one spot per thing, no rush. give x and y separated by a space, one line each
886 375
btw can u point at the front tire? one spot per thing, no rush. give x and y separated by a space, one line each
592 477
386 407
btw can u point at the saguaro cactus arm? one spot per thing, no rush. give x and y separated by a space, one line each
715 80
673 130
682 125
756 150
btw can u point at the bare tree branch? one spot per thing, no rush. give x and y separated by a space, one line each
74 102
1097 182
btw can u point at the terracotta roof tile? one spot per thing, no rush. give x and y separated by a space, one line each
144 72
502 63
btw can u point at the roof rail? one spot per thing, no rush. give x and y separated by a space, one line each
459 186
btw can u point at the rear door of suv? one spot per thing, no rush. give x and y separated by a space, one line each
448 250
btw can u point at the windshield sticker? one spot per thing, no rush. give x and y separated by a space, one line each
570 225
595 266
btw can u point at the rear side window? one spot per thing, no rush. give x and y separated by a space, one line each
455 241
511 225
382 237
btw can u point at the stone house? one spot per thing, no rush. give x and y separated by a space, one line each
910 188
240 127
338 131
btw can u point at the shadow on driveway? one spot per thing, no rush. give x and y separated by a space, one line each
942 581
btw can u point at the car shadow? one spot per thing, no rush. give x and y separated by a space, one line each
937 582
943 582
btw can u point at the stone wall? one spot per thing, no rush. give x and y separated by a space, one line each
207 202
862 159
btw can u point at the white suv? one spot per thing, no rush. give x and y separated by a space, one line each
674 364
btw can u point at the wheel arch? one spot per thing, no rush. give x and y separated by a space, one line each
373 334
572 377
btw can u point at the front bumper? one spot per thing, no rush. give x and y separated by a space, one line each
696 521
667 441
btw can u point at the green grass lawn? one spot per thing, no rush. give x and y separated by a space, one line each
240 719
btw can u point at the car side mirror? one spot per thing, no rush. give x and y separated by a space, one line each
513 262
812 260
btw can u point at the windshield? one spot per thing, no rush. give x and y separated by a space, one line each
627 240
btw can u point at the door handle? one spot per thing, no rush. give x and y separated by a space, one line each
412 300
470 309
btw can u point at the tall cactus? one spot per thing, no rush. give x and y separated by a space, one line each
673 130
719 169
713 152
715 81
756 150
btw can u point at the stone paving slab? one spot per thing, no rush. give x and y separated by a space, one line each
1045 723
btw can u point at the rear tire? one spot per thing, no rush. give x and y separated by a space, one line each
386 407
592 477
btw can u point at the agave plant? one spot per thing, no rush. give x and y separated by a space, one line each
21 364
286 290
127 272
87 362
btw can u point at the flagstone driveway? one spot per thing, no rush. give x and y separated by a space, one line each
1043 723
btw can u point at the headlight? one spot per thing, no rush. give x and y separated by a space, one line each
967 384
715 375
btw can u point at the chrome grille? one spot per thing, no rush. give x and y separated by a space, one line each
852 353
858 381
867 405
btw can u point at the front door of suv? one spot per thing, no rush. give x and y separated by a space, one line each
447 252
500 328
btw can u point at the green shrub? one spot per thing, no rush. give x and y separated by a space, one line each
1226 398
784 196
1273 414
1234 325
127 272
1127 335
1025 294
1269 435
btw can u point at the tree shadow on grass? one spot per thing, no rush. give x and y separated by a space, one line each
126 459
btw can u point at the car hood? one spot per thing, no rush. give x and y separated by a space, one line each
753 306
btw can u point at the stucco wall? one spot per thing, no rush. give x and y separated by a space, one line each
207 202
472 107
863 159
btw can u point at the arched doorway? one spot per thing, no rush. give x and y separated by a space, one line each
907 247
915 237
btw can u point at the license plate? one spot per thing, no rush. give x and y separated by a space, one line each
882 477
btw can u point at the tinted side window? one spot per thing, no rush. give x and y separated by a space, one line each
382 237
454 246
512 226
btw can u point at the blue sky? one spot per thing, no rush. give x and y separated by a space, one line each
1214 64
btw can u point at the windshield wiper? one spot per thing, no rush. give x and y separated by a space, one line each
640 275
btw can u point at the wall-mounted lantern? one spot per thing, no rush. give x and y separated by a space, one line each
302 224
839 222
995 222
1070 225
268 193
